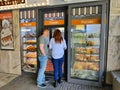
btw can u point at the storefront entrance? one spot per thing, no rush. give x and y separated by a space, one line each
54 19
84 27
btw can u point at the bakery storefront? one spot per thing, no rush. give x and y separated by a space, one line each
83 25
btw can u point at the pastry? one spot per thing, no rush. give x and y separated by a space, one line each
31 55
29 35
31 61
82 57
77 65
95 58
78 57
95 50
31 48
77 50
88 57
90 43
82 50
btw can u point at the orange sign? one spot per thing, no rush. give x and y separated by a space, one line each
85 21
53 22
5 15
28 24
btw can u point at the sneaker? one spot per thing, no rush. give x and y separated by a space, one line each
56 83
42 85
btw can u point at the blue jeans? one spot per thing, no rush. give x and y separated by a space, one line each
57 65
41 73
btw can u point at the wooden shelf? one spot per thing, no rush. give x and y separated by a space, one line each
87 53
87 61
29 57
29 43
30 50
30 37
84 45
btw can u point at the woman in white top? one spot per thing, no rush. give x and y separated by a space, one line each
57 45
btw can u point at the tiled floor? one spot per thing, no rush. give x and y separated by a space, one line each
28 82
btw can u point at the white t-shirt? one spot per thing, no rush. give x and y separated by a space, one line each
57 48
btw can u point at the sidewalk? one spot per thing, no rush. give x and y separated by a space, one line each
28 82
5 78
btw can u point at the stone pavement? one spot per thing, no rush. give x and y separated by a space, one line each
28 82
5 78
70 86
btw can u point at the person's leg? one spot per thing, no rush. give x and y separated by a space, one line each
43 63
55 66
43 80
60 63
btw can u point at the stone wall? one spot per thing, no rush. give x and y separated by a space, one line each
10 60
113 61
58 2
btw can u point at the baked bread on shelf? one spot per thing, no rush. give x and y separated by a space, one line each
30 42
31 48
31 61
29 35
31 55
86 66
86 57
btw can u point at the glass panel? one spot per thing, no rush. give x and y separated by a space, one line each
54 16
85 51
60 28
85 44
80 12
28 40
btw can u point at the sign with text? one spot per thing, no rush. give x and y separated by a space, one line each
53 22
11 2
85 21
6 30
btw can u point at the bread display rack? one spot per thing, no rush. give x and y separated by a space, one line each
29 62
86 55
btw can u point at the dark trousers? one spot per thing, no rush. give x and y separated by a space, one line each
57 65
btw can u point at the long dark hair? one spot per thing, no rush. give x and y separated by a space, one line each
58 36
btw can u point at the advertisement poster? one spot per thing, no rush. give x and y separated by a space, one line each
6 31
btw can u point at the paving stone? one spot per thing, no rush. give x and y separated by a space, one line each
28 82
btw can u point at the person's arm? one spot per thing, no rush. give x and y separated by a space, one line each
50 44
42 49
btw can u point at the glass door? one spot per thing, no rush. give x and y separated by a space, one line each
86 43
54 18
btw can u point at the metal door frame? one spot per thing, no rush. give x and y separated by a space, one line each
21 49
40 25
103 40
